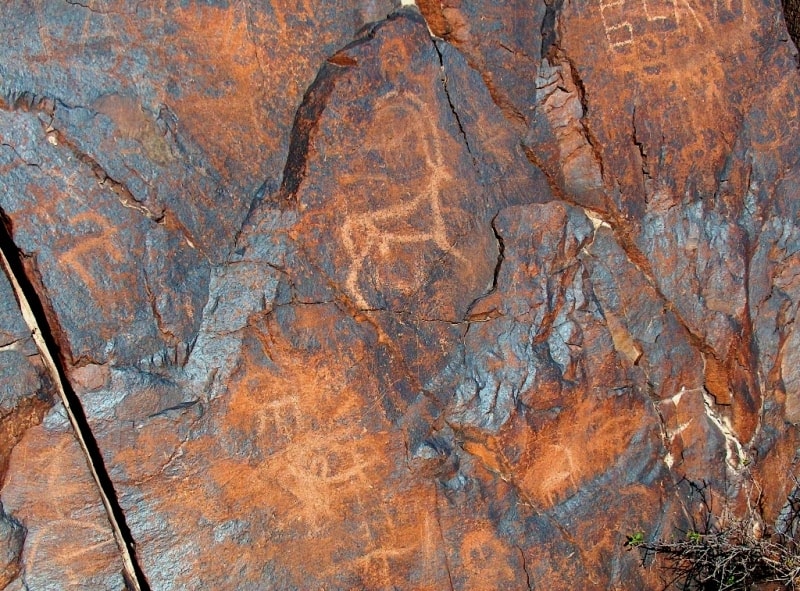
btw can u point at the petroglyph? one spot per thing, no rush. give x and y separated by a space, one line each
49 540
70 528
383 546
480 548
280 417
555 482
321 473
380 557
380 231
625 21
618 34
83 253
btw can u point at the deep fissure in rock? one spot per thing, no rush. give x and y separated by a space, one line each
549 28
791 14
28 297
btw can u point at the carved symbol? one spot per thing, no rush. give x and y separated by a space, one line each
611 30
73 526
479 549
41 26
556 481
651 18
321 475
620 33
381 555
282 416
382 230
101 240
51 538
382 547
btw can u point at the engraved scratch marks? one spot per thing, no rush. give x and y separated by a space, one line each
386 546
618 34
316 465
96 24
85 250
419 219
481 550
324 475
317 462
629 22
41 26
562 477
69 522
654 17
280 417
49 541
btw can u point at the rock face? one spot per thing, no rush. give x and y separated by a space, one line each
791 11
350 306
54 532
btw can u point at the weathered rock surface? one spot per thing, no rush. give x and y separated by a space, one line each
23 400
362 308
167 121
791 11
655 117
54 532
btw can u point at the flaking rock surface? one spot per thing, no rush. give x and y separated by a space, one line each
453 302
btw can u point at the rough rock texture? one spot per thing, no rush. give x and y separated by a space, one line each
791 11
355 307
24 398
690 167
54 532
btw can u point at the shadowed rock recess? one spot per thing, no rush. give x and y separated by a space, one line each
352 296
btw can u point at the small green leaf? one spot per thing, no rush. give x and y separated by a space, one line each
635 539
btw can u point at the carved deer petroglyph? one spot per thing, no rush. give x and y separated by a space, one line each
382 230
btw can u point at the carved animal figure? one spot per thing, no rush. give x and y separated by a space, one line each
382 230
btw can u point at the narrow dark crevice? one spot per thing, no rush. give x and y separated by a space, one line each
307 116
641 147
591 139
791 15
29 298
266 188
745 381
88 7
528 582
104 179
450 100
501 254
19 156
30 102
305 123
549 30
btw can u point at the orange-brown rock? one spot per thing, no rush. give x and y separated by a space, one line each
650 115
348 305
53 527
